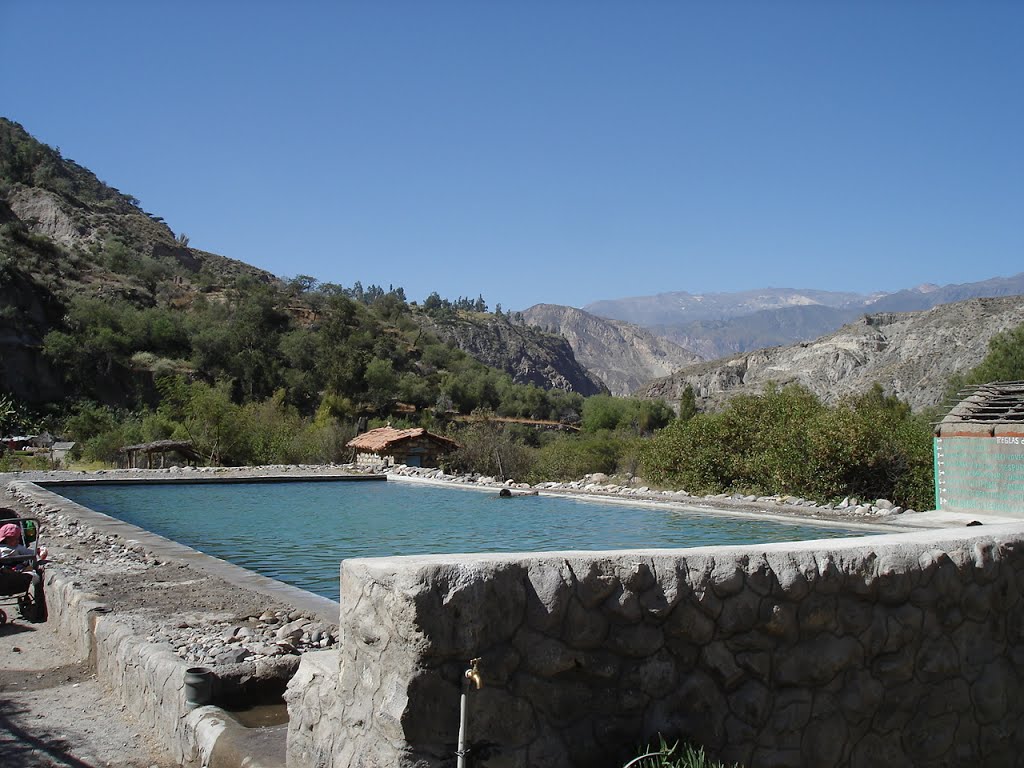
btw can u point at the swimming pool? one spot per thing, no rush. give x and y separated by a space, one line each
299 532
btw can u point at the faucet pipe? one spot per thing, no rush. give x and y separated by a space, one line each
471 677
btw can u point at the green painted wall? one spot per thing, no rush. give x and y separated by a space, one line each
979 474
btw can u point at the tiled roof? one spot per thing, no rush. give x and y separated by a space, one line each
380 439
1001 401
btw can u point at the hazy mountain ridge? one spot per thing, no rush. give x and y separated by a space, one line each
712 339
718 324
622 355
928 296
911 354
680 307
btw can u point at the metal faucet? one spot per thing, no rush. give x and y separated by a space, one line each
473 674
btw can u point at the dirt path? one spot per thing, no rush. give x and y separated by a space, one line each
54 713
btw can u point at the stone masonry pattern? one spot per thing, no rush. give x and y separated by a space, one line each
893 650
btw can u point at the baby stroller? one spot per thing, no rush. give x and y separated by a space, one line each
21 575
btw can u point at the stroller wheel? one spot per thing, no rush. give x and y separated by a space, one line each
3 617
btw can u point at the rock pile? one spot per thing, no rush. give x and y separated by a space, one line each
271 634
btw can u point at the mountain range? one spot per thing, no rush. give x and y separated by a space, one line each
714 325
65 233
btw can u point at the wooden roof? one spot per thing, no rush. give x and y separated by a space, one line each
382 438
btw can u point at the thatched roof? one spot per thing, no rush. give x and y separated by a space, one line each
383 438
163 446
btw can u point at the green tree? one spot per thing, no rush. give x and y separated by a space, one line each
687 403
206 416
381 383
7 410
1004 361
268 432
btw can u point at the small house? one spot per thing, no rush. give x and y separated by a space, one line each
59 452
413 447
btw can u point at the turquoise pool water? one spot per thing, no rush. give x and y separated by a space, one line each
300 532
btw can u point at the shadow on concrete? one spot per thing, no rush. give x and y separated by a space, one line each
10 628
21 749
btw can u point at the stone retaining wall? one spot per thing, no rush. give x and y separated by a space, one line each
878 651
145 678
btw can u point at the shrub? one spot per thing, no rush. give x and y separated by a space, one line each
676 756
487 448
604 412
570 457
786 441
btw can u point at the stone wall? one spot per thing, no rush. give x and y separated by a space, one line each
877 651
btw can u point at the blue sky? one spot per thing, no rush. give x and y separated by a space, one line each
558 152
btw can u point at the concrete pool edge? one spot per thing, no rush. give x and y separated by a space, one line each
175 551
272 473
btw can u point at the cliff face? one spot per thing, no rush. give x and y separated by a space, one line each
527 355
622 355
911 354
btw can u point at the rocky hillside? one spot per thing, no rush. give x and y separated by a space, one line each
65 234
530 356
911 354
622 355
103 238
